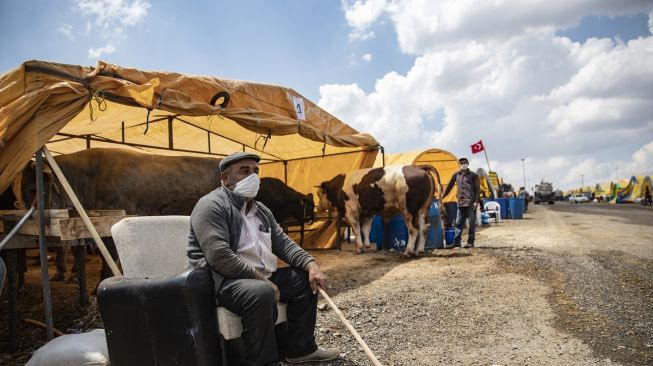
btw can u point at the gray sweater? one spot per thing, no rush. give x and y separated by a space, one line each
215 233
469 188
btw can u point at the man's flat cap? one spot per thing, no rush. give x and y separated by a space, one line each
228 160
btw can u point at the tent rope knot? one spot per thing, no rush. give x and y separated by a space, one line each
99 98
265 139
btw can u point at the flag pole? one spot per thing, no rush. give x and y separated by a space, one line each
486 159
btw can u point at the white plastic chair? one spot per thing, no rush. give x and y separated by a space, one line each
493 209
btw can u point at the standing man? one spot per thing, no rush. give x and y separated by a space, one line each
468 196
240 240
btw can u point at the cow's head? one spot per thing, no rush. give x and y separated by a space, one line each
25 186
322 197
329 191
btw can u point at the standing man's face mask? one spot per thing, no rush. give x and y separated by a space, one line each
464 166
248 187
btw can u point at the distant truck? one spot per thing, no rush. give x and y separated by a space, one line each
544 193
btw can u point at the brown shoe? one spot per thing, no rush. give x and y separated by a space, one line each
320 355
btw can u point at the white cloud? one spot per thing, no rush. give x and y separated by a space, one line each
108 49
110 19
66 30
108 13
367 57
569 108
360 15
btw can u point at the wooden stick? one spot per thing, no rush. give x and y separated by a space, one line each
78 206
41 324
353 331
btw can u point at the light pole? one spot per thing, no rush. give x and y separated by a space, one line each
582 183
523 167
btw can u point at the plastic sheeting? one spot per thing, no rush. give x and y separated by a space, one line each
70 108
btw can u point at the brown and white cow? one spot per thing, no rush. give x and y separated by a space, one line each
388 191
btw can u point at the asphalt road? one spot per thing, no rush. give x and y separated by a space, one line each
630 213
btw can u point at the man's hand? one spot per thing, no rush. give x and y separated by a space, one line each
260 276
315 276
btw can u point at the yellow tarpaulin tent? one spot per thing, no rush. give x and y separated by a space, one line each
445 162
70 108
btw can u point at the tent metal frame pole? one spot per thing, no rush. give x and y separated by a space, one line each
334 154
227 138
138 145
43 250
170 139
285 172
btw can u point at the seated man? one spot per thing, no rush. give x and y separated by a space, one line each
239 239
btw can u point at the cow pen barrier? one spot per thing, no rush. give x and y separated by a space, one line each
82 213
351 329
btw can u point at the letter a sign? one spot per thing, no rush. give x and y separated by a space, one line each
478 147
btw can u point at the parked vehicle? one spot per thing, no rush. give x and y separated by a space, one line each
543 193
578 198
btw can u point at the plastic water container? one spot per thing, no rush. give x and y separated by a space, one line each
376 233
485 219
516 206
435 233
396 234
503 202
478 217
449 235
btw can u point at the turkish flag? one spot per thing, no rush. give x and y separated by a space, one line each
478 147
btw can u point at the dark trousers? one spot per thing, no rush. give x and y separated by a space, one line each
465 213
253 301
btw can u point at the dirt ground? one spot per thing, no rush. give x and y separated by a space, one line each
567 285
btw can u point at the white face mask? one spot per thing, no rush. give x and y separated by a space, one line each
464 166
249 186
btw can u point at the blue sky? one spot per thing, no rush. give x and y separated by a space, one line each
545 85
300 44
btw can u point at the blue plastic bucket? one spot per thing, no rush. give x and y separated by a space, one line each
516 208
434 234
396 233
503 202
449 235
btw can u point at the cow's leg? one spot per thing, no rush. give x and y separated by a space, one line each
422 230
366 226
412 236
60 263
355 227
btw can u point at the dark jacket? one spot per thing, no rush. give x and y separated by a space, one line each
469 187
215 232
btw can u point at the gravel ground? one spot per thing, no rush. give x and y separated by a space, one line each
561 287
557 288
